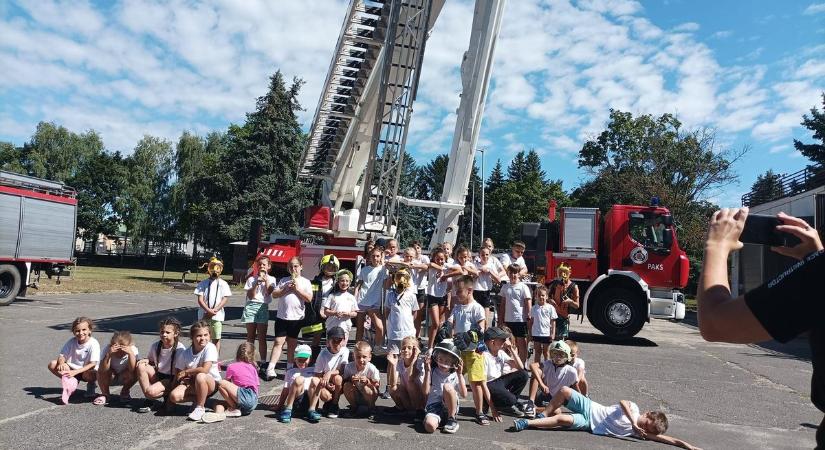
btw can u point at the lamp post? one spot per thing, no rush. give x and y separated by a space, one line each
481 237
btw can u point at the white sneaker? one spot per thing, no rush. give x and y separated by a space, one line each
212 417
197 413
270 374
233 413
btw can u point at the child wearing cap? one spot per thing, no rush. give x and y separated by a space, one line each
621 420
443 384
294 400
551 376
361 380
327 381
506 377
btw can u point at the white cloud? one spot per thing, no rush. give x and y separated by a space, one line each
722 34
778 149
687 27
814 8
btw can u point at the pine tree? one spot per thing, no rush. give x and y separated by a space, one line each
815 123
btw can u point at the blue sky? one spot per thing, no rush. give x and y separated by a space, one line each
749 70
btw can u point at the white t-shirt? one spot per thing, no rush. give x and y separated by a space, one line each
213 291
327 361
165 363
405 372
578 364
438 379
370 371
119 364
543 317
436 287
341 302
326 288
262 294
290 306
507 260
515 296
369 294
484 282
464 317
419 276
558 377
496 366
77 355
400 322
611 420
187 359
291 374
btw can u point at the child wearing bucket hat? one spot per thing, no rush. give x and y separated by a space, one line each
443 384
327 380
551 376
294 398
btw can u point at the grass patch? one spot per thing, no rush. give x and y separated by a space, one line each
86 279
690 304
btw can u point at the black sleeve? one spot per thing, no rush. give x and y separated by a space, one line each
793 302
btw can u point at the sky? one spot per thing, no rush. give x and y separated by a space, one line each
748 70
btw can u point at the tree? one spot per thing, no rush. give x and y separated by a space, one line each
55 153
99 183
767 187
411 220
815 123
634 159
11 157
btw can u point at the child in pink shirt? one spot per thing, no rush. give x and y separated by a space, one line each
239 388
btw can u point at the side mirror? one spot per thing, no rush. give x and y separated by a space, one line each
667 237
667 220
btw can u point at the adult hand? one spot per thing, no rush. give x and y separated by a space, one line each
725 227
799 228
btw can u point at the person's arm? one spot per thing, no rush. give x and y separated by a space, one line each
132 358
392 371
722 317
573 301
514 362
425 385
304 295
91 365
535 370
202 304
528 303
462 385
471 270
106 361
252 289
664 439
552 329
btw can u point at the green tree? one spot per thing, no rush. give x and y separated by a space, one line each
636 158
767 187
55 153
99 183
411 224
815 123
11 158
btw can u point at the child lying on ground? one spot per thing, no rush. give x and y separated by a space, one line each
620 420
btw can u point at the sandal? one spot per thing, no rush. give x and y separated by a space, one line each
100 400
482 419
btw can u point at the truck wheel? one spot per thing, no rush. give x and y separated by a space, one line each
10 283
618 313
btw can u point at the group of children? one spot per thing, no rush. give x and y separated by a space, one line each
393 296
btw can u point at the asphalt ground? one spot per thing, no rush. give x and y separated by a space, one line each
715 395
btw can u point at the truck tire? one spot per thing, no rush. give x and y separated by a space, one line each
618 313
10 283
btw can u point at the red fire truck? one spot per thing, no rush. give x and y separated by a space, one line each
37 231
627 264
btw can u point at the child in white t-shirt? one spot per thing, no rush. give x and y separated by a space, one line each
156 373
361 380
551 376
515 307
436 297
515 258
405 376
78 359
578 364
293 293
294 398
443 385
418 263
213 293
369 292
327 380
117 367
340 307
198 375
259 286
620 420
542 324
400 305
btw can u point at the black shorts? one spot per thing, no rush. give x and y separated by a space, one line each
163 376
483 298
421 297
288 328
518 329
436 301
301 405
542 339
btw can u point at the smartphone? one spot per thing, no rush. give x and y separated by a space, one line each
760 229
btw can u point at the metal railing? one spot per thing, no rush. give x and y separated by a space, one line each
787 185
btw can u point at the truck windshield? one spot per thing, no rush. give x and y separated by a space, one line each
648 229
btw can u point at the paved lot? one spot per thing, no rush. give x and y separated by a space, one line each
716 395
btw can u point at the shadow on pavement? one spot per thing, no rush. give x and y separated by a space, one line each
592 338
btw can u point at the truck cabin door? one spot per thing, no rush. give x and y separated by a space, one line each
649 247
